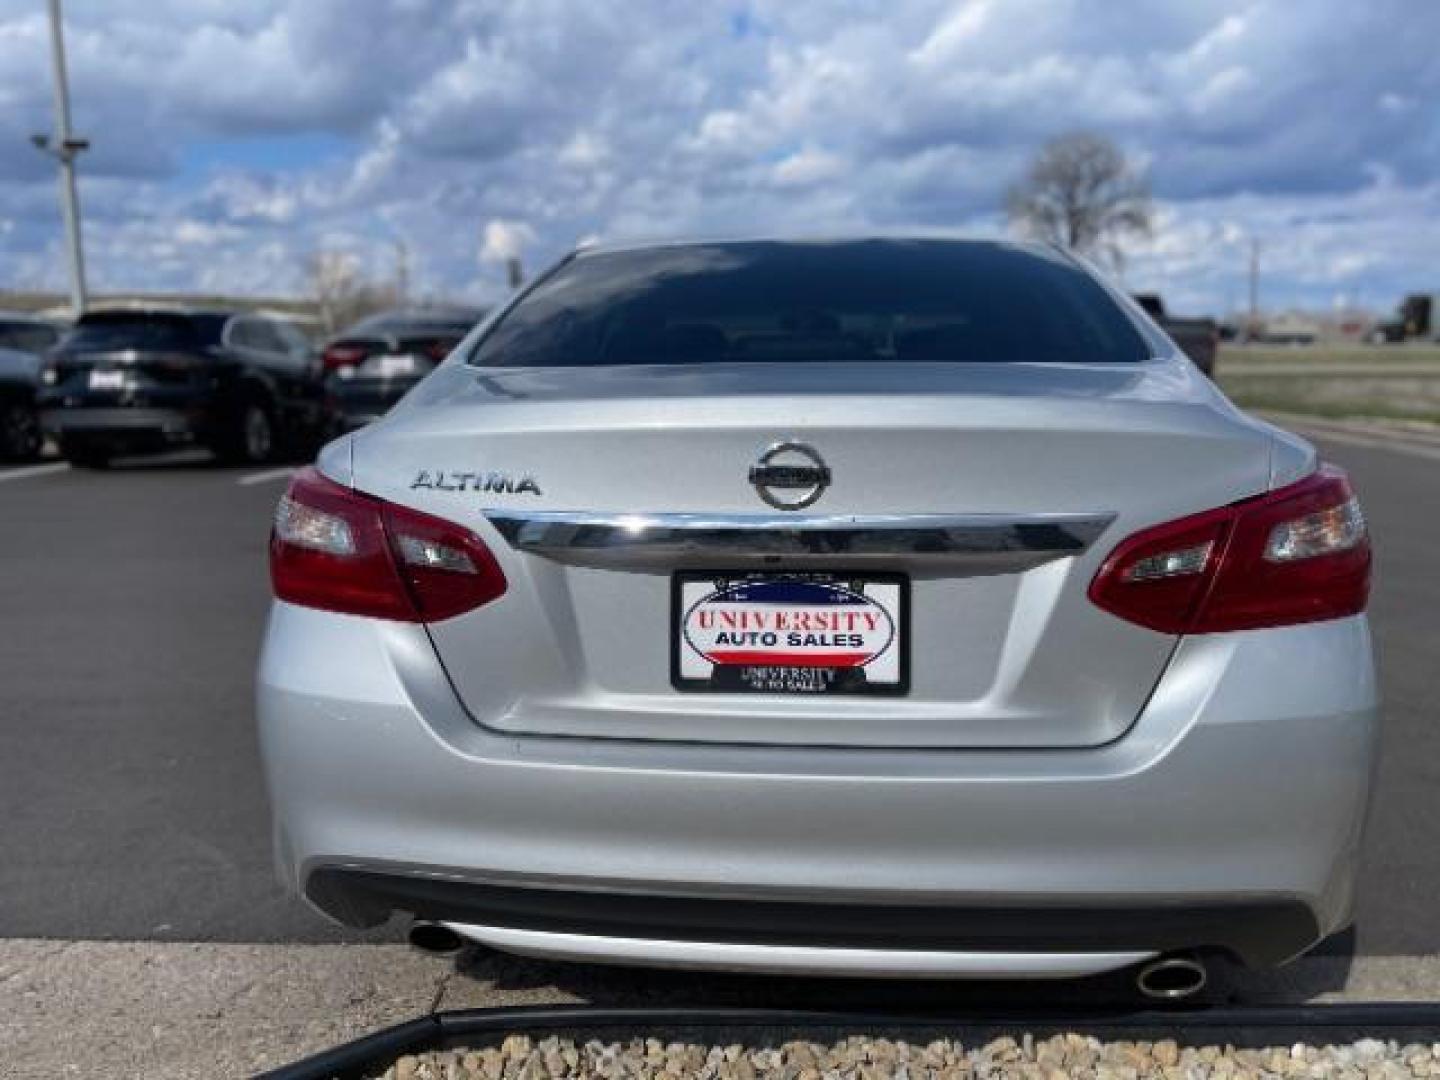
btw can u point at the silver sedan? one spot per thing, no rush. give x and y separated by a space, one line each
886 607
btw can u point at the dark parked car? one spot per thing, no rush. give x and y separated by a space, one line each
22 339
1198 339
372 364
20 437
27 333
242 384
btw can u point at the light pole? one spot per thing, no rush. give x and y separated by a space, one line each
65 148
1254 328
402 273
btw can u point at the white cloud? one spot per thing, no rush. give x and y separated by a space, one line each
524 126
809 166
503 240
584 151
1374 244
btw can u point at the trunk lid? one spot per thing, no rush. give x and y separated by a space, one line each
1004 647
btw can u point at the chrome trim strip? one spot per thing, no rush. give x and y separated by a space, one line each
799 959
916 535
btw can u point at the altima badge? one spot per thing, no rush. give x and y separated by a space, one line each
500 483
790 467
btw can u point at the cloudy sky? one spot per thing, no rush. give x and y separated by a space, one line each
233 139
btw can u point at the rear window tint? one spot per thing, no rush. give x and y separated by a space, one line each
141 331
925 301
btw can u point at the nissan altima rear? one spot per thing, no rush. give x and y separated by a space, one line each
889 607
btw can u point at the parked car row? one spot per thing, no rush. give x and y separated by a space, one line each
248 386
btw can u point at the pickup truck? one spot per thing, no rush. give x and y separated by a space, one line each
1197 338
1418 317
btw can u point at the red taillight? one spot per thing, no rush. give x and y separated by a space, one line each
1296 555
339 550
336 357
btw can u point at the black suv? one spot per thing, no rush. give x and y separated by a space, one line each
128 381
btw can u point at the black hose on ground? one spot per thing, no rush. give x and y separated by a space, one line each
1237 1025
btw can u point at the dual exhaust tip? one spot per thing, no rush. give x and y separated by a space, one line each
1169 978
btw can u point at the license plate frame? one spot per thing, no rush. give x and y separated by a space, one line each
105 380
395 365
886 673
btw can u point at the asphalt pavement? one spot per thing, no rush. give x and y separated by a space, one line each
130 787
130 790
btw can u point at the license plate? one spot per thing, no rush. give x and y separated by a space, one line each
107 380
790 633
392 366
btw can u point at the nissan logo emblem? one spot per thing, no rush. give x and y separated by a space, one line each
790 476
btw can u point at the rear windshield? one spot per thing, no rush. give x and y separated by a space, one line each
863 301
143 330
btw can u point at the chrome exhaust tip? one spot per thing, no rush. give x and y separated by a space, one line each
1171 978
436 939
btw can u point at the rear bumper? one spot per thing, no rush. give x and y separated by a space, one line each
127 426
1259 932
1230 816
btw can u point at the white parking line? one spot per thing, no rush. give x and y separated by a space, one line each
33 470
268 474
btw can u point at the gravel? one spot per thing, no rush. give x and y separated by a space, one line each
1056 1058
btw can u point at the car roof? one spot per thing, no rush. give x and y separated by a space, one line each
26 317
159 312
435 314
211 318
602 247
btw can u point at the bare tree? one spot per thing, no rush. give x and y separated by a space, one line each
1081 193
341 292
334 280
